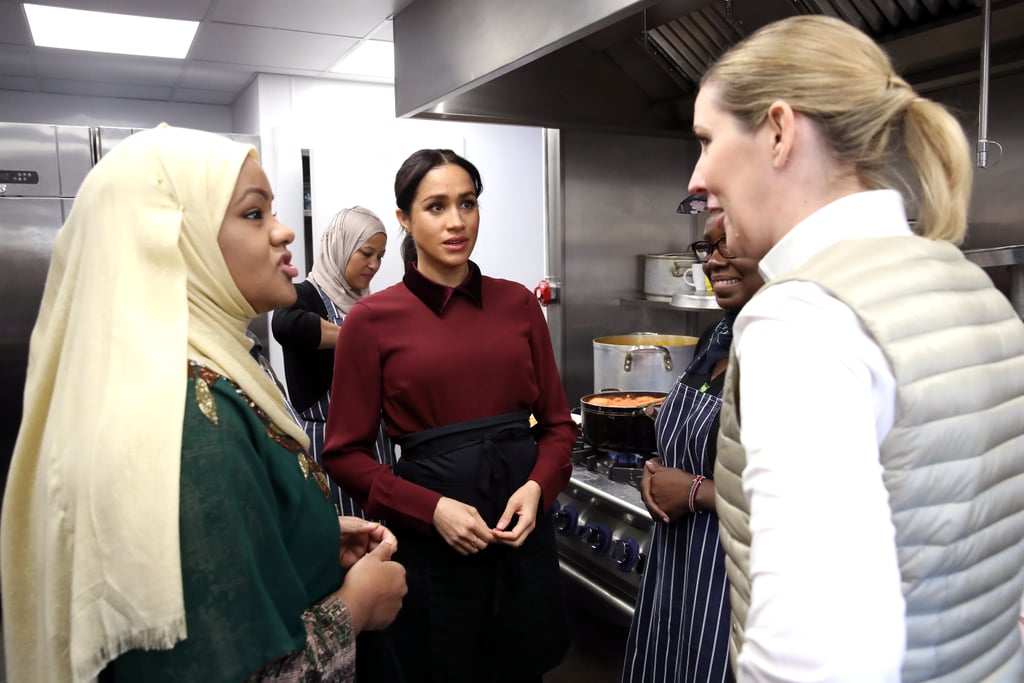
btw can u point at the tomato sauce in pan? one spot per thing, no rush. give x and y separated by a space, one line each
622 400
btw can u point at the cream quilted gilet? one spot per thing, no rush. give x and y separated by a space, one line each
955 452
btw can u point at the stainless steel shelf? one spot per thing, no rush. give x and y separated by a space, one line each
1012 255
693 303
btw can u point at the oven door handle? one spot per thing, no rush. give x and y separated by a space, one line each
598 591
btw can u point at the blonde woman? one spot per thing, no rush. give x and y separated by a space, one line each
870 472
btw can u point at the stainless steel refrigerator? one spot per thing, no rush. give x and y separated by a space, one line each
41 169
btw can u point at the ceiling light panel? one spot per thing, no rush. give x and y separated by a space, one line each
124 34
371 58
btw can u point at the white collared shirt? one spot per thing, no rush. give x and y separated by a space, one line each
816 400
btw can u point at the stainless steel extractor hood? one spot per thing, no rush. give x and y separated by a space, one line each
634 66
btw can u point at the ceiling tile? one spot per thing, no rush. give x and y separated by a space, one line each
236 39
197 96
385 31
352 19
268 47
214 76
19 83
98 66
13 27
99 89
15 61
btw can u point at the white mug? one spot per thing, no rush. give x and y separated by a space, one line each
696 279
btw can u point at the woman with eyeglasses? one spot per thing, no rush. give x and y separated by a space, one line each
680 628
870 470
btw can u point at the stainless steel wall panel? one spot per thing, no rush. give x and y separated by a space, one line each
620 199
28 227
554 194
31 148
74 152
108 137
31 214
996 216
619 196
430 66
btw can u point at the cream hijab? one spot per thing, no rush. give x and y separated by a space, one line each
347 231
137 285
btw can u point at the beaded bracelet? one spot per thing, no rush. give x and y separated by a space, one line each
694 485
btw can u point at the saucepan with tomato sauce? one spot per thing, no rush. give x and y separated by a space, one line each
620 420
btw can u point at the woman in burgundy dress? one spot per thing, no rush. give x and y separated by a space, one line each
457 362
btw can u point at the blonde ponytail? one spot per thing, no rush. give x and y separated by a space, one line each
940 155
869 116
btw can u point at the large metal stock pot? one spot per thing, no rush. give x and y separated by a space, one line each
641 361
663 275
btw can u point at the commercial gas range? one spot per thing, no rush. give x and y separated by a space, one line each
603 530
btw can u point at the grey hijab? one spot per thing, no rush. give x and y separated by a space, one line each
347 231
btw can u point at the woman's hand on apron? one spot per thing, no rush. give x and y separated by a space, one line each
668 489
461 526
645 490
523 503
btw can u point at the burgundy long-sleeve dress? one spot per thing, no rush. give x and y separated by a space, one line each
434 357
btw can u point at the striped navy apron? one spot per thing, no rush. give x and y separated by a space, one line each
680 629
314 421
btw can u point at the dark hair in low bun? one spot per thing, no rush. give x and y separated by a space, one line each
419 164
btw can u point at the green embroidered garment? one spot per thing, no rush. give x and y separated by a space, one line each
259 547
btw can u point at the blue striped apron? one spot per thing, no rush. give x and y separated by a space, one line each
680 629
314 421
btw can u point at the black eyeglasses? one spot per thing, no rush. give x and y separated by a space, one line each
692 205
703 249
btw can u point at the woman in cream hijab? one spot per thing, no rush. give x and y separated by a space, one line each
162 521
351 249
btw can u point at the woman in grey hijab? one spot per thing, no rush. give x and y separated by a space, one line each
351 249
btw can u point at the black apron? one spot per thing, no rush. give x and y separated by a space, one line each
497 615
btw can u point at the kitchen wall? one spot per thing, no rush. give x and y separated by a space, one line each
83 110
620 192
996 216
356 145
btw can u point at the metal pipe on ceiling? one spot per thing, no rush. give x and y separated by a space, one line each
983 141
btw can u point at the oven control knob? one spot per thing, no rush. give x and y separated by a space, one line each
565 519
598 536
625 552
641 562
